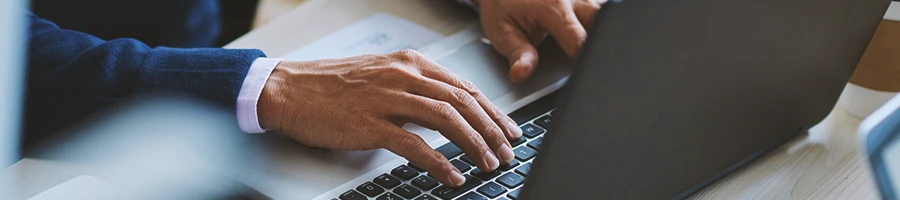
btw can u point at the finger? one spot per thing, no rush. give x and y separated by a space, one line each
414 149
585 10
471 110
524 64
435 71
536 34
510 129
518 48
444 118
566 29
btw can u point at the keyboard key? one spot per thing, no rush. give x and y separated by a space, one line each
491 190
431 176
467 159
517 142
445 192
370 189
472 196
449 150
524 153
484 175
424 182
352 195
536 143
531 131
461 166
502 198
523 170
389 196
511 180
426 197
405 172
508 166
387 181
543 121
417 168
514 194
407 191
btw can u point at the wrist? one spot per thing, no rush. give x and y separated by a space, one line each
270 100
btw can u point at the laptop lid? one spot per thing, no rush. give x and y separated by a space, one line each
669 96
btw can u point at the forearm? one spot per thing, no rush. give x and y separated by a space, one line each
73 73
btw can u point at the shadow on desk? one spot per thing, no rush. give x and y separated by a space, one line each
825 164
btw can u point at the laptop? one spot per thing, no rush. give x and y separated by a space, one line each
666 98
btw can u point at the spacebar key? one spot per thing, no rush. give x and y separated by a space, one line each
449 150
445 192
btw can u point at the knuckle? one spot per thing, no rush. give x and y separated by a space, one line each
445 111
463 98
445 166
458 95
498 115
498 136
434 162
393 67
469 87
407 54
406 141
482 149
397 71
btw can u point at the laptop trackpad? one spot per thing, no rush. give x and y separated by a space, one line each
478 63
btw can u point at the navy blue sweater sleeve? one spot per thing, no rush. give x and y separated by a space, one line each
72 73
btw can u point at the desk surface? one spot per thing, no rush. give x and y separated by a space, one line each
826 164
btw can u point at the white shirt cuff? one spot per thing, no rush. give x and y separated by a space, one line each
248 97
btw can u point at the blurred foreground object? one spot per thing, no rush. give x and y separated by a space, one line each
880 138
877 77
160 148
12 69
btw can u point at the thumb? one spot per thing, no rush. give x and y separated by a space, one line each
523 63
512 43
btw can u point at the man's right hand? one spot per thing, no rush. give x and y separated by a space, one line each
362 102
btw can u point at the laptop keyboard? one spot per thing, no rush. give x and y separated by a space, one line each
411 182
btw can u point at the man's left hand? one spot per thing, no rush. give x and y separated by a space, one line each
516 26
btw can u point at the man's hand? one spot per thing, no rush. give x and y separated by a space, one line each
361 103
516 26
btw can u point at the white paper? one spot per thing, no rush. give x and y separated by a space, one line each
379 34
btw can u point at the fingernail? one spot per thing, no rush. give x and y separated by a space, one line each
516 64
507 154
457 178
524 72
514 128
491 160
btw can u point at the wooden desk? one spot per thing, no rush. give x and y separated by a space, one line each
826 164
